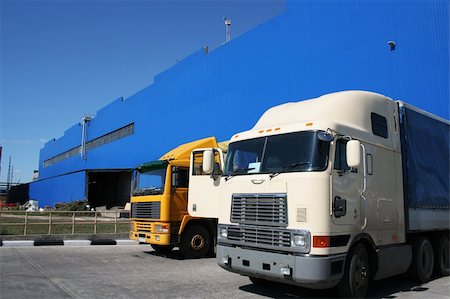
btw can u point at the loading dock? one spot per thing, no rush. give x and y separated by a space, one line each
108 188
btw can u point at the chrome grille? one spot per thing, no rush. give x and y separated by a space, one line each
146 210
259 209
264 237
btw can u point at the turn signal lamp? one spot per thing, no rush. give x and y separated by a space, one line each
321 241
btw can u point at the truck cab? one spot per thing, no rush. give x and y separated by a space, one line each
313 195
159 214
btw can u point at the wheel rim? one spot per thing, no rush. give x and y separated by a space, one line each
197 242
360 273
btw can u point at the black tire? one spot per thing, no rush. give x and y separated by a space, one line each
422 264
195 241
162 249
441 256
355 281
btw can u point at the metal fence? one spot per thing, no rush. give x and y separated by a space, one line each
22 223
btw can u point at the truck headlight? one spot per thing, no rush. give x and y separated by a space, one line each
161 228
223 232
298 240
301 240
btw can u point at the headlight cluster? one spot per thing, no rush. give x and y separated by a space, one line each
161 228
292 240
301 240
223 232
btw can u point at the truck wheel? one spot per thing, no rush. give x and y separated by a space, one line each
441 256
422 263
355 281
162 249
195 241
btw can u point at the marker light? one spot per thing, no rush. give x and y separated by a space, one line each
321 241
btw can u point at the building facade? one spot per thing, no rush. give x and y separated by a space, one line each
396 48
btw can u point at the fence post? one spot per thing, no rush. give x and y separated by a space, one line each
115 222
95 223
26 222
50 223
73 223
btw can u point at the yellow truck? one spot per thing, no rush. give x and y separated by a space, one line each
159 199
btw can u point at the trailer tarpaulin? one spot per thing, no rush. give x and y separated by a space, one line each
426 150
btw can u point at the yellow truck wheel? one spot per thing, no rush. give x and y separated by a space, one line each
195 241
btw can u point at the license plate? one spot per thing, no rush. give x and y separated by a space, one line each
141 239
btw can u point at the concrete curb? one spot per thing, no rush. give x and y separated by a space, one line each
30 243
17 243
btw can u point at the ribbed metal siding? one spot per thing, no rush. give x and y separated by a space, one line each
150 210
259 209
259 236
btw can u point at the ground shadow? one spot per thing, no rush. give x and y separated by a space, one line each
176 255
386 288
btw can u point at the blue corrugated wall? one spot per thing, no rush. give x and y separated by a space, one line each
315 47
63 188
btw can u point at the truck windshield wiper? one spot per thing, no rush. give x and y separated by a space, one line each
238 171
274 174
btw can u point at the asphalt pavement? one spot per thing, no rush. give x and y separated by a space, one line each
136 271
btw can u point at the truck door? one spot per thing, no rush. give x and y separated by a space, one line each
346 188
204 189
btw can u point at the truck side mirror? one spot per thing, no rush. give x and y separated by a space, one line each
174 177
353 153
208 161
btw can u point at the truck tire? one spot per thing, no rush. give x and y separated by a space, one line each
162 249
441 256
422 262
195 241
355 281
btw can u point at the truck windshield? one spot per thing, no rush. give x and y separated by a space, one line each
291 152
150 182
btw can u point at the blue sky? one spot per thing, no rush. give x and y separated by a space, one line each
63 59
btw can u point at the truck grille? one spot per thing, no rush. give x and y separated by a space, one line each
259 209
263 237
144 227
146 210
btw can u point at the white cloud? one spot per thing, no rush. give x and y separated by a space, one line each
43 140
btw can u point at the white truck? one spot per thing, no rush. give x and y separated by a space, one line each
334 191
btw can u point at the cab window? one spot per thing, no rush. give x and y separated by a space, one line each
340 159
180 177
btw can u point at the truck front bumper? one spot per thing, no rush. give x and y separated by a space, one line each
150 238
303 270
